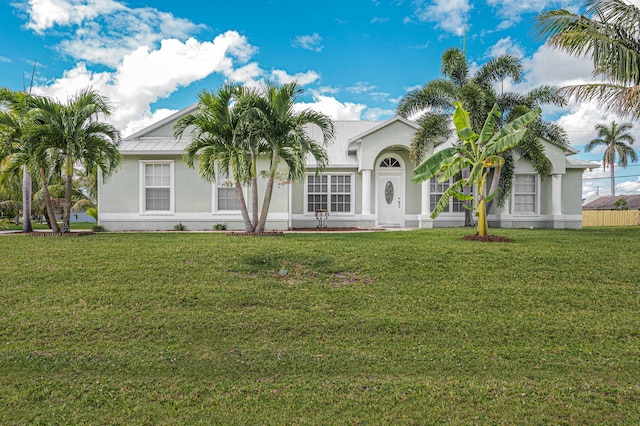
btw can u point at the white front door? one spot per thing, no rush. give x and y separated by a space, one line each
390 195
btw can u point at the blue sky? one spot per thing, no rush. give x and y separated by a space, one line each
355 59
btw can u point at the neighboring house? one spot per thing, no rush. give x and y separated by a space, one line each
609 203
367 184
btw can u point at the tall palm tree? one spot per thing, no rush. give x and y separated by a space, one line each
75 131
15 123
434 102
609 34
220 140
615 138
284 139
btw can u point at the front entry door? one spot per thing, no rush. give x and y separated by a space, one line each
390 194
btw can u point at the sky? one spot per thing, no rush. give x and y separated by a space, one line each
355 59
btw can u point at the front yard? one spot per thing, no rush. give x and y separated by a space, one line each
414 327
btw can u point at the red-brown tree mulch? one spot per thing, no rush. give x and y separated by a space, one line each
488 238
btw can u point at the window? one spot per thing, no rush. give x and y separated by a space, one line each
524 194
156 186
330 192
436 190
227 198
390 162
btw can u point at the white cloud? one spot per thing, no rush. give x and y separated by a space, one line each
5 59
378 114
378 20
103 31
333 108
505 46
449 15
311 42
45 14
512 11
360 87
303 79
136 84
628 187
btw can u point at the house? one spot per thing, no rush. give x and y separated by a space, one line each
366 185
631 202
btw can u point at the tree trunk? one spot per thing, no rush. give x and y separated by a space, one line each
243 208
51 215
254 190
26 201
483 226
262 222
68 186
254 201
613 181
495 181
466 190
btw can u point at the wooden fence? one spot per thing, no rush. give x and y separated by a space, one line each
610 217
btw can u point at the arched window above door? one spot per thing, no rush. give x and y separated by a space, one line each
390 162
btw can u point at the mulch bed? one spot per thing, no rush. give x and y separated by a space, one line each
488 238
61 234
255 234
329 229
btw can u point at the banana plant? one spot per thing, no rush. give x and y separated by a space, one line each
478 152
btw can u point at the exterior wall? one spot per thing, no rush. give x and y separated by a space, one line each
194 207
395 134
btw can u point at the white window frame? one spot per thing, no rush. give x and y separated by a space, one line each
536 195
352 193
222 178
143 187
452 200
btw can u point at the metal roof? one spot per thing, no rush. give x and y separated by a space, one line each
574 163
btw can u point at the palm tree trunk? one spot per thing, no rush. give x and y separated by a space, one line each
267 193
68 186
495 181
262 222
243 207
613 181
254 190
51 216
26 201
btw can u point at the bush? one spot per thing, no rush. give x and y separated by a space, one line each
179 227
220 227
98 228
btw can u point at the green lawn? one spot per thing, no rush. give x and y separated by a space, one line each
414 327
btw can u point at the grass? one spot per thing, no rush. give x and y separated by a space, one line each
412 327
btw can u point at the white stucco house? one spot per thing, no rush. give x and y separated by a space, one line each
366 185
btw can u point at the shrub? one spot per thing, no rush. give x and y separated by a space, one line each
98 228
220 226
179 227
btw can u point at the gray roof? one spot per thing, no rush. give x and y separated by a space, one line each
337 149
345 131
607 202
574 163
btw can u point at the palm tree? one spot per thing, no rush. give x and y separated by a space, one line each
615 138
221 140
434 102
75 132
284 138
14 123
609 34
